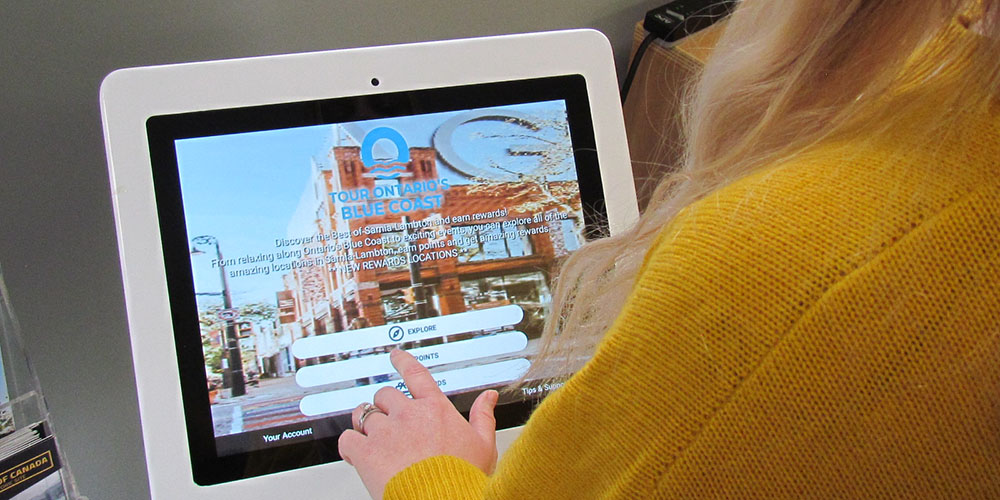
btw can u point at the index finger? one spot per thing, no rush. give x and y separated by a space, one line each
417 378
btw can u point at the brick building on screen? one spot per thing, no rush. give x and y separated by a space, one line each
409 251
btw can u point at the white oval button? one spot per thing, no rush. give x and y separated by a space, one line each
419 329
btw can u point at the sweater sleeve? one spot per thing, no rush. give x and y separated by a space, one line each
437 478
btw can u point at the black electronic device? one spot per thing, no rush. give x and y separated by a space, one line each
672 22
680 18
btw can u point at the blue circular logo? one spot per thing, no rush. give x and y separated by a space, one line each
390 168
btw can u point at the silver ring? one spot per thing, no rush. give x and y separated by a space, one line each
368 409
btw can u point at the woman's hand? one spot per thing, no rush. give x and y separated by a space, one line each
411 430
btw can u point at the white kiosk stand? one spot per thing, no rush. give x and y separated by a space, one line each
377 232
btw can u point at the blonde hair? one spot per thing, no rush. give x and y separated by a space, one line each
785 76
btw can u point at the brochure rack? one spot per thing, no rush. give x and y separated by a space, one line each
31 466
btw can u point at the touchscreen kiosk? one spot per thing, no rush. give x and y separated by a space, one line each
284 222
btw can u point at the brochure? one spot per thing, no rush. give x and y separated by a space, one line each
30 464
30 468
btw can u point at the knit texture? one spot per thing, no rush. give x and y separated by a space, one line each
825 328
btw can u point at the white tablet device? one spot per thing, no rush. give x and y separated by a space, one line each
285 221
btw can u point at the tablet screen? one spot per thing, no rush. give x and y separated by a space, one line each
304 241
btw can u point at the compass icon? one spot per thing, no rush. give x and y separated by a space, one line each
396 333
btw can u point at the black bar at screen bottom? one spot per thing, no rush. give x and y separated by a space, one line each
273 437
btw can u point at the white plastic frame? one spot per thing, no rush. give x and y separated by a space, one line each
130 96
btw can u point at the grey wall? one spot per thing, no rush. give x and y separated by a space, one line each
57 240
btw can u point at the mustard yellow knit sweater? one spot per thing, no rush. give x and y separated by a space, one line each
826 328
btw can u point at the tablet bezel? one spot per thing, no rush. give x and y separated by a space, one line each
129 97
209 466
